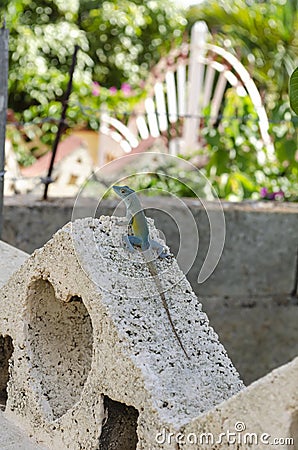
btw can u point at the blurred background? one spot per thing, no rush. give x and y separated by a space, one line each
123 45
120 44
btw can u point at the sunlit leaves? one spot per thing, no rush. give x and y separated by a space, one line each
119 41
132 36
264 36
293 91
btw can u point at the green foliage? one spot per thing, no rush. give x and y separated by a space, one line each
238 165
119 42
127 37
19 141
42 40
233 148
293 91
263 34
169 178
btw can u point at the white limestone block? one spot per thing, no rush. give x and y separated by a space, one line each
89 329
11 260
263 415
13 438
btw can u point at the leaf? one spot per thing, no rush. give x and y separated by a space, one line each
293 91
245 180
286 150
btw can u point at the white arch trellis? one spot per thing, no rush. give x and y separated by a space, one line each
180 87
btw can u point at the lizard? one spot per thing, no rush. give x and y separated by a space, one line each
135 217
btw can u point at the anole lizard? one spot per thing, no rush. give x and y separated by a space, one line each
137 219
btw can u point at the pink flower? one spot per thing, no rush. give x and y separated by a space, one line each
265 194
113 90
95 89
126 88
278 195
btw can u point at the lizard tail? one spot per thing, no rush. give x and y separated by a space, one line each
153 272
172 324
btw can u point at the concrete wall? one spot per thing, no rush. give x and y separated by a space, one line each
261 242
247 297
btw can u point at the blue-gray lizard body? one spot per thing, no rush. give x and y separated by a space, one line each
137 219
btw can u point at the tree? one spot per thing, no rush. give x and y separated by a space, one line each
42 40
119 42
293 90
127 37
263 34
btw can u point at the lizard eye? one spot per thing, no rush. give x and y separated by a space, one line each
122 191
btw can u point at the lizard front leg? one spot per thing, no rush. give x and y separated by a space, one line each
130 241
125 221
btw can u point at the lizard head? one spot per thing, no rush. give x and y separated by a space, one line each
123 191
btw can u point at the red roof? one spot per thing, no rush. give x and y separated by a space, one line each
64 149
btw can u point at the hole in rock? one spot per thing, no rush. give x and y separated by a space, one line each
60 339
119 431
6 350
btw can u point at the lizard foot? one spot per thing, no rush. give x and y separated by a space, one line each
159 248
130 241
